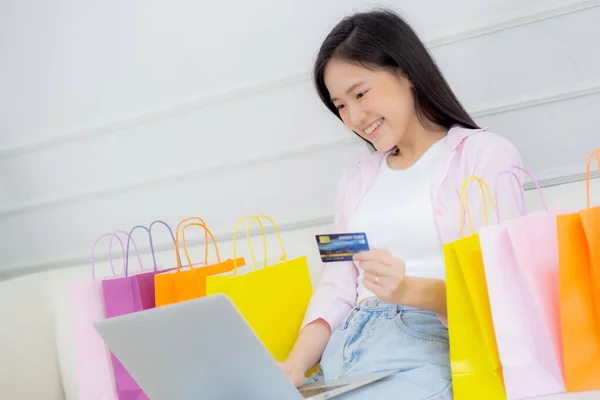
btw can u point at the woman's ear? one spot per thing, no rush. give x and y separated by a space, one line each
404 78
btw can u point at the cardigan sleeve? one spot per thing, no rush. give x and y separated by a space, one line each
335 295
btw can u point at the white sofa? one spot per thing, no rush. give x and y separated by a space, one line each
36 342
37 360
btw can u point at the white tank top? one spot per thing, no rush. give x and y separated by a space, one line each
397 214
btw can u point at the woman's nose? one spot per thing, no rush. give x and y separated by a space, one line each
357 117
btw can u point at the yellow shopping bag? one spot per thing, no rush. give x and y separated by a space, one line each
273 299
475 363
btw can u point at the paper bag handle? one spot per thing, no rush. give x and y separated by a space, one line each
588 173
150 239
207 233
464 203
264 236
252 218
201 221
256 218
283 253
129 238
126 254
523 207
110 254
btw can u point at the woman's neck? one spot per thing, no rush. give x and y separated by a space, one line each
416 141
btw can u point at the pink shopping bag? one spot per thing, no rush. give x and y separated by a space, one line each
521 266
126 295
95 378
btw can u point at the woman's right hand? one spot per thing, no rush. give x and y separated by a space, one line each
307 351
293 373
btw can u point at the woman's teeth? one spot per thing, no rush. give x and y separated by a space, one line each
374 126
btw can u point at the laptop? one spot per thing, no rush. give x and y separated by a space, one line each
204 349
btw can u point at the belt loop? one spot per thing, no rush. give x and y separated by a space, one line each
349 318
392 311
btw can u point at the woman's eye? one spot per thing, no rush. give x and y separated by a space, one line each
361 94
340 107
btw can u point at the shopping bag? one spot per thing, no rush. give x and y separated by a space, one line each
273 299
475 364
95 378
579 272
126 295
520 258
181 285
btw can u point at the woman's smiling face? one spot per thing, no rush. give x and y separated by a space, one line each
375 103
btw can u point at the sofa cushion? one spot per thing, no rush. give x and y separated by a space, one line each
28 361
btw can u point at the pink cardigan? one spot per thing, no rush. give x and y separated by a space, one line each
466 152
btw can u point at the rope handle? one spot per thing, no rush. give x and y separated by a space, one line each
464 204
201 221
207 233
252 219
150 239
588 173
523 208
110 254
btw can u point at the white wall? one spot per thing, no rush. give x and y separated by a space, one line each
118 113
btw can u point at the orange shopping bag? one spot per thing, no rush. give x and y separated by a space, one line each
181 285
579 274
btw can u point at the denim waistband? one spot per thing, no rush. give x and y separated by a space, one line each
374 304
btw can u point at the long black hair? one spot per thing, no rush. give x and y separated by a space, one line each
382 39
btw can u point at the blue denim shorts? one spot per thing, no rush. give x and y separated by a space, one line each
377 337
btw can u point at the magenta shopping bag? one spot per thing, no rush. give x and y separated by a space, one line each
521 266
126 295
95 379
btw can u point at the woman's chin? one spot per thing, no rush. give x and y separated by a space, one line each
382 146
380 143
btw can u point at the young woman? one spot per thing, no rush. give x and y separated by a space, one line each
386 310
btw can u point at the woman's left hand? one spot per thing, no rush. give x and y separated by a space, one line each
384 274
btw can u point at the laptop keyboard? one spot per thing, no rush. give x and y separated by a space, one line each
306 393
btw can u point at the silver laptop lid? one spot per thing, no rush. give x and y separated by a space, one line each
197 349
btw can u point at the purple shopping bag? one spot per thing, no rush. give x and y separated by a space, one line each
521 266
126 295
95 379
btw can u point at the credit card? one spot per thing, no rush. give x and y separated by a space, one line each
341 246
